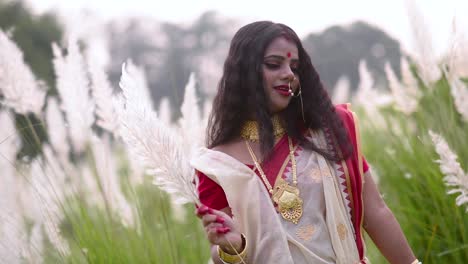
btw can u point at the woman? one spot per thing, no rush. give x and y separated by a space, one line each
283 179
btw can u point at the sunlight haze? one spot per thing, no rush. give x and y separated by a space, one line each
303 16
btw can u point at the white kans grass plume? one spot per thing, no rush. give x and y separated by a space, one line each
56 128
454 69
141 90
21 90
369 98
73 88
9 140
164 111
33 254
341 90
12 226
207 106
191 131
409 81
106 169
48 196
456 60
154 144
101 89
459 92
190 122
425 57
455 178
404 101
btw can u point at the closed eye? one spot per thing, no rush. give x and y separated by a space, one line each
271 65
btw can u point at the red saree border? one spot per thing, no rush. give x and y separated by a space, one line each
361 172
354 174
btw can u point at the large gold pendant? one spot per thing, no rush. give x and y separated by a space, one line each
289 202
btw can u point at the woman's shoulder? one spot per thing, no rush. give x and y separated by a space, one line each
227 147
345 113
343 110
235 148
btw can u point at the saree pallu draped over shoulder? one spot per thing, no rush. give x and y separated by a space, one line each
255 214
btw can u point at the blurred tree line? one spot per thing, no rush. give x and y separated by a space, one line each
169 52
33 34
338 50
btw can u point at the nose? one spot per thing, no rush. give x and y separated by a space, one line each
288 74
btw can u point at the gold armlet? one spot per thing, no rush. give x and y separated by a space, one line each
234 259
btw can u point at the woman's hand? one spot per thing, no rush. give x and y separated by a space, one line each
220 229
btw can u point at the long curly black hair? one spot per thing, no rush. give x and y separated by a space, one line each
241 94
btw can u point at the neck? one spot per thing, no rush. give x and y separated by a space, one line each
250 129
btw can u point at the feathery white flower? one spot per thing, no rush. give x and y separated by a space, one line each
21 90
190 121
139 91
47 190
369 98
454 69
459 92
341 90
56 128
404 102
456 60
137 172
33 253
207 106
73 88
455 178
109 180
164 111
409 81
12 227
12 236
9 139
101 89
151 142
425 56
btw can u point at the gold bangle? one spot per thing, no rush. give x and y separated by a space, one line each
234 259
416 261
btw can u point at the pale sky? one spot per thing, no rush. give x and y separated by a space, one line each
303 16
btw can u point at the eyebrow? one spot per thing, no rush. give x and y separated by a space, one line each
279 58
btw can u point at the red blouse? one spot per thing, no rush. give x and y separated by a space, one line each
213 196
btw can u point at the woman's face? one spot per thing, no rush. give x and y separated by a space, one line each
280 65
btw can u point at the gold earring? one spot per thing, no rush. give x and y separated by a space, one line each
302 103
302 107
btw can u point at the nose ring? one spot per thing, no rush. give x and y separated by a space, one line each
290 89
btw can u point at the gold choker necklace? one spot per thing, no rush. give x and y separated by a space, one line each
249 130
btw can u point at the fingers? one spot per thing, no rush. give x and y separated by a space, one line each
202 210
216 229
210 218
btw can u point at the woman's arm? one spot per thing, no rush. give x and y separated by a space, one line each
382 226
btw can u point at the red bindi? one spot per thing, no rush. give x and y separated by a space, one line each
289 54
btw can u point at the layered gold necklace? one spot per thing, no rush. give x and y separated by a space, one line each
286 196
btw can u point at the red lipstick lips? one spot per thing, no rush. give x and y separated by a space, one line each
282 89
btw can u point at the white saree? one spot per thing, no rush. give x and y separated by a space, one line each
323 235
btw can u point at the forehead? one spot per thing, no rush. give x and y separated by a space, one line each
282 46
